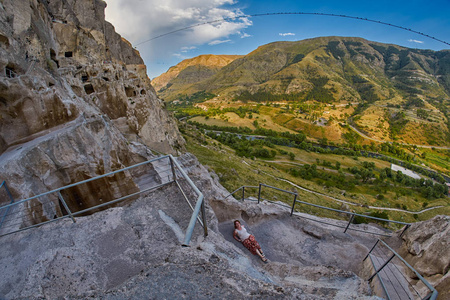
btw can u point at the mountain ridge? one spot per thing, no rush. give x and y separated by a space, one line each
384 80
207 60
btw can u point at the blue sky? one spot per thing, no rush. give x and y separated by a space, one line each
141 20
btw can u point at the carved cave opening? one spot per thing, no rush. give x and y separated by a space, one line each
89 89
53 57
130 92
10 71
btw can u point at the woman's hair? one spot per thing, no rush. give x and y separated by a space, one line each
236 221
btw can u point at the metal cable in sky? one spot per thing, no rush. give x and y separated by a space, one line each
292 13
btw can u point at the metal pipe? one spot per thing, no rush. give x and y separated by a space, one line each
412 269
381 268
205 227
35 225
198 205
343 211
281 190
8 192
376 243
259 193
61 198
247 186
119 199
183 173
191 225
335 225
10 197
381 281
434 295
173 168
336 210
89 180
243 193
293 204
404 230
349 222
187 200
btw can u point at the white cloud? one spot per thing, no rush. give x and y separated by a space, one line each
217 42
141 20
415 41
245 35
186 49
286 34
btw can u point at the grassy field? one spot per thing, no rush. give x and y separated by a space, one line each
438 160
235 171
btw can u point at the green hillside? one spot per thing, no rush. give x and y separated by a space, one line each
394 93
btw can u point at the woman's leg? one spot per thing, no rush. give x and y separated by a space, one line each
260 254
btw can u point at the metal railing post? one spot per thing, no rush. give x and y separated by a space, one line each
198 206
61 198
191 225
293 204
173 169
381 268
8 192
12 201
259 193
349 222
376 243
205 227
243 193
404 230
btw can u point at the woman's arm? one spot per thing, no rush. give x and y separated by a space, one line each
236 236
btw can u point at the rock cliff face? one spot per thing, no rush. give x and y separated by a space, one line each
71 89
426 247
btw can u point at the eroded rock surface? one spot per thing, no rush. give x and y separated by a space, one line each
426 247
73 95
60 59
134 252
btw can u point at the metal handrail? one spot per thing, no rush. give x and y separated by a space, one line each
352 214
434 292
10 197
199 205
431 296
174 165
87 180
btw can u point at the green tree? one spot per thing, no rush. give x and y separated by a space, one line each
422 113
338 165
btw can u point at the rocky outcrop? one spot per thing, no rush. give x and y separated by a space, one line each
134 252
82 149
72 94
426 247
60 59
